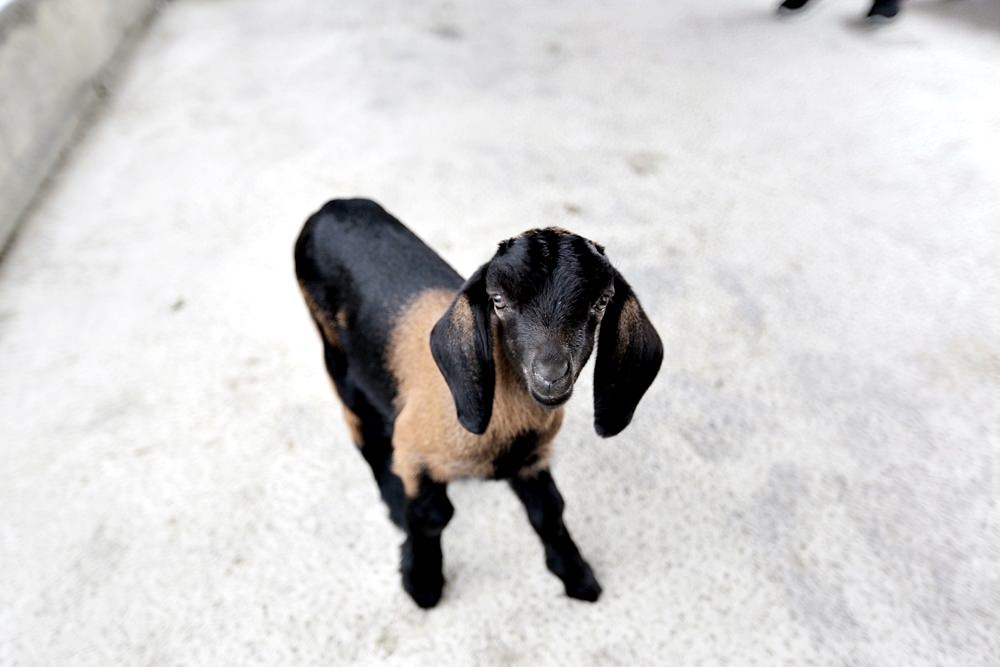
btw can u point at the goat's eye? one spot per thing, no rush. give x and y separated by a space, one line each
498 302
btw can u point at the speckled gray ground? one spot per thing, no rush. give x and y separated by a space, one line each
808 211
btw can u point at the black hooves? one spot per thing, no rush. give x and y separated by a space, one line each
421 575
426 593
583 587
576 575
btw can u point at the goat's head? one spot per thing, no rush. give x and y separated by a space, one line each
547 293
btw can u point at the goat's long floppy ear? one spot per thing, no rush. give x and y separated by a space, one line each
629 353
462 345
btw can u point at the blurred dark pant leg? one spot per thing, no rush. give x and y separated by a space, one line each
792 5
884 9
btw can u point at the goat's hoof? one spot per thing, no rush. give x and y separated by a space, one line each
426 592
584 587
421 575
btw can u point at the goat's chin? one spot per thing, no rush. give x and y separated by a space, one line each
551 401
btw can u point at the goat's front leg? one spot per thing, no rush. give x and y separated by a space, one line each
427 513
545 506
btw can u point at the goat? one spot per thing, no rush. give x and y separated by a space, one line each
442 378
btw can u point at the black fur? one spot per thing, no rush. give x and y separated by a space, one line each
344 259
551 282
349 256
467 364
421 560
544 505
623 373
522 453
376 435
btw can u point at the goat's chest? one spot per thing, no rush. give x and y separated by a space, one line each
427 436
518 439
524 452
516 443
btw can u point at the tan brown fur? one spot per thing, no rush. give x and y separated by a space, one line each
427 437
462 316
328 326
628 322
323 319
353 425
341 319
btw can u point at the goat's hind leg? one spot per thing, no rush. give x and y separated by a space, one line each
544 505
421 562
370 431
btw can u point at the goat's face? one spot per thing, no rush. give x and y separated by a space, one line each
547 294
548 290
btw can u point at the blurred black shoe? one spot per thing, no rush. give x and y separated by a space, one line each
883 10
789 6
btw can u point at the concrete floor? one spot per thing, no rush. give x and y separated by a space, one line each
808 210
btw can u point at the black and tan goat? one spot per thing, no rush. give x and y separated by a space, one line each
443 378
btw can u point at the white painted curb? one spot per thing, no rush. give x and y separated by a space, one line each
53 58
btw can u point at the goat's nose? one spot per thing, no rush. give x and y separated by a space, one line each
550 370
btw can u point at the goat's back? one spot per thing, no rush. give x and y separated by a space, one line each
358 267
